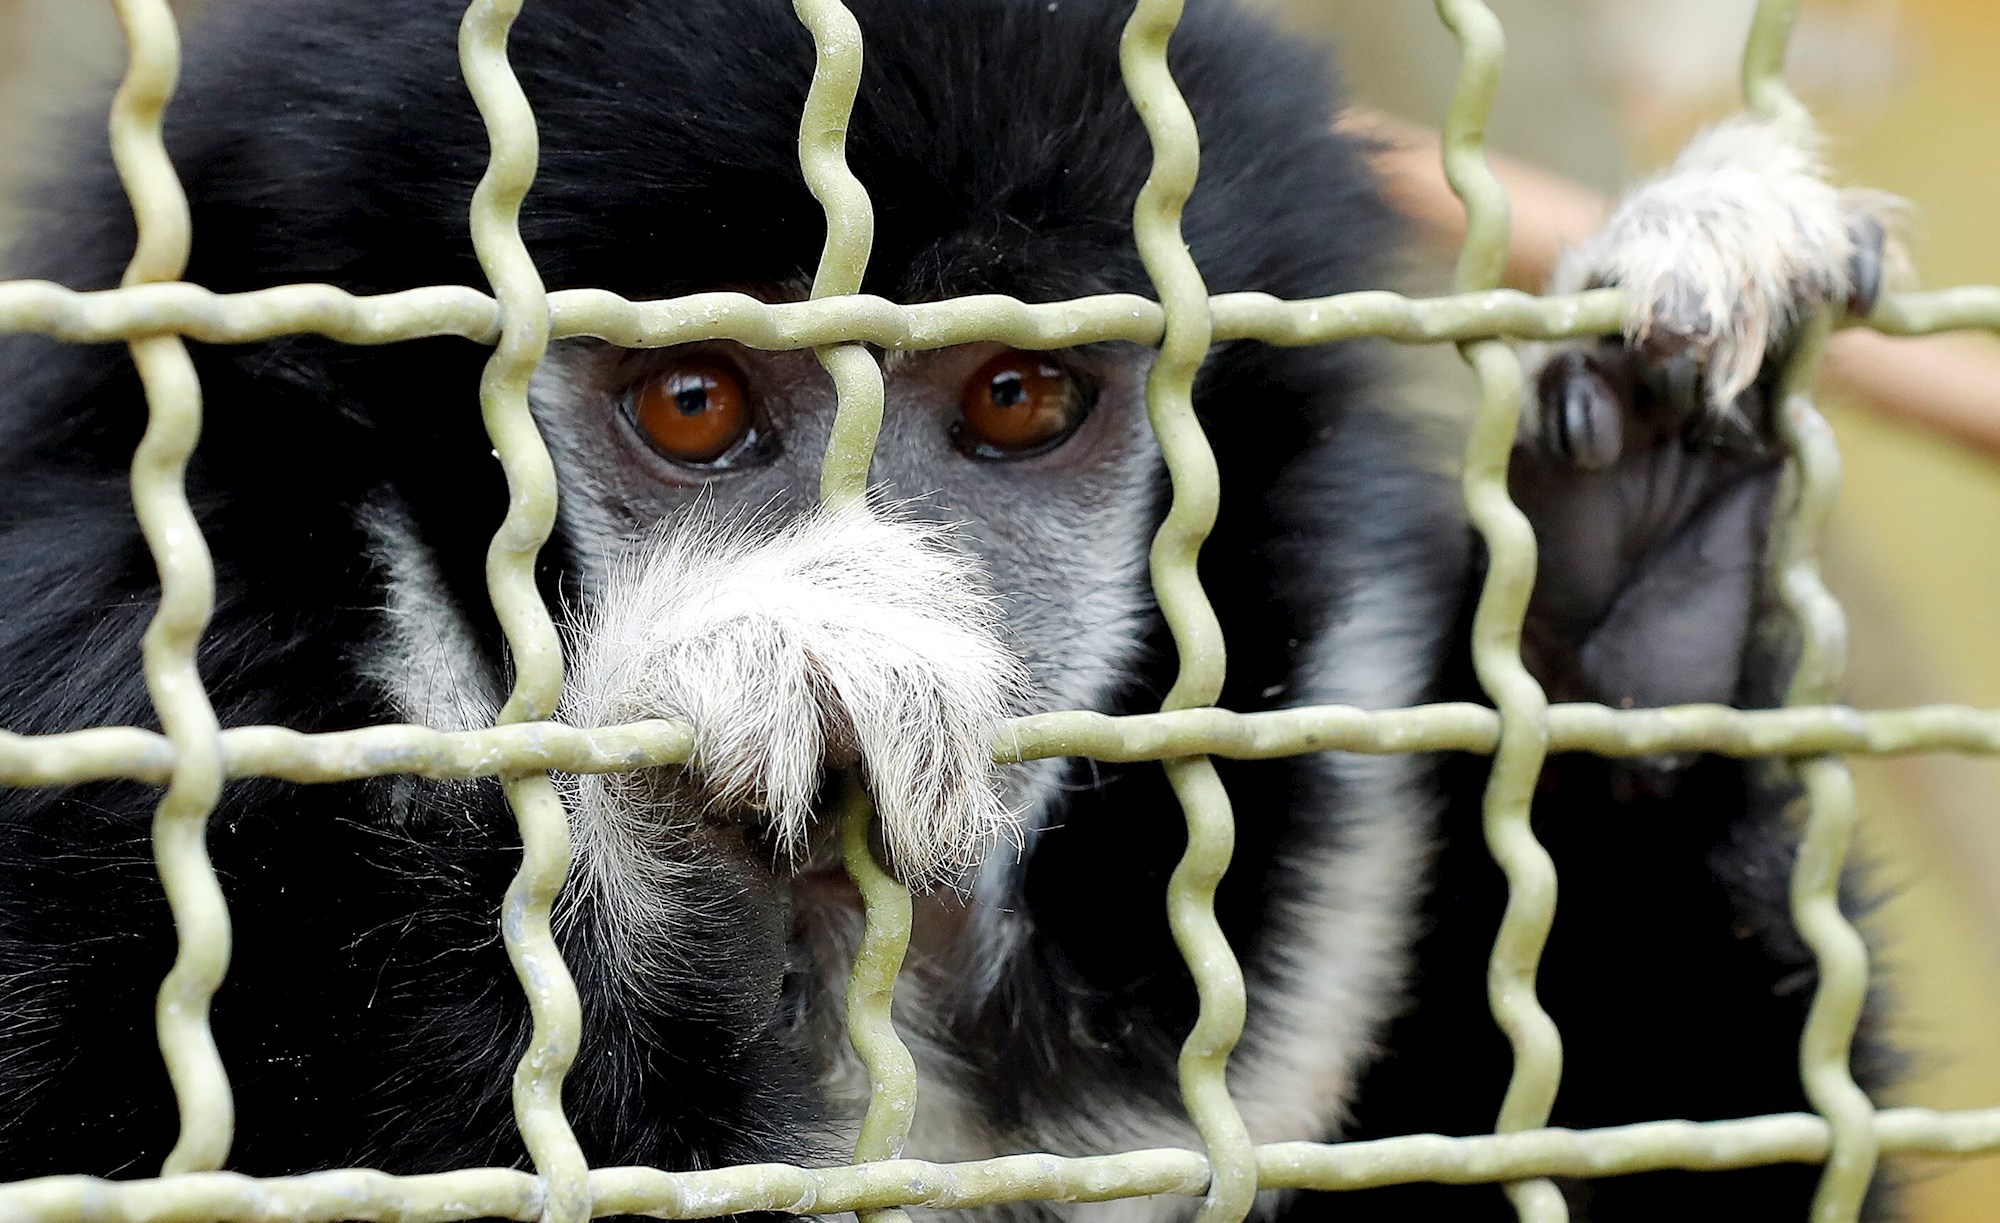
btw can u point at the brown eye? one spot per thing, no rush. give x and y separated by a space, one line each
694 411
1018 404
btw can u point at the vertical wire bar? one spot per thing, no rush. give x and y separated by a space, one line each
1191 467
1763 74
1826 1046
524 619
1496 629
850 236
885 940
1827 1043
857 384
187 597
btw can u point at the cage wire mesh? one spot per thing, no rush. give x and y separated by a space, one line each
155 313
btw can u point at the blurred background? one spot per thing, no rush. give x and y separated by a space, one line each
1599 90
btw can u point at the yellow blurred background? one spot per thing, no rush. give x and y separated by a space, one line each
1907 90
1918 566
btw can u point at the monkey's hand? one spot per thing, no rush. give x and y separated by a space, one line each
1648 461
844 639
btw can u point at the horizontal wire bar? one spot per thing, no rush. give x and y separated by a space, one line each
1962 308
108 315
359 1194
130 753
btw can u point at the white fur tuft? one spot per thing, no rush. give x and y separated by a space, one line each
849 636
426 658
1745 225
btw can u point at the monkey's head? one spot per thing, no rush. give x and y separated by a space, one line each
1016 493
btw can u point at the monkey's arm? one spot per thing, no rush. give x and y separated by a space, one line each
1649 470
1648 460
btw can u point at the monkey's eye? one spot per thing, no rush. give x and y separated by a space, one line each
695 411
1017 405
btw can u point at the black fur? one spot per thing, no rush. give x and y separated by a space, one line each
370 1017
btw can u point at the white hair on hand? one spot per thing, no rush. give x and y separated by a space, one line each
1729 250
852 635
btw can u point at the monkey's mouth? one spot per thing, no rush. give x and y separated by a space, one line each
937 918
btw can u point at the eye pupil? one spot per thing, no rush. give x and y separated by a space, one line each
1018 404
691 399
1010 390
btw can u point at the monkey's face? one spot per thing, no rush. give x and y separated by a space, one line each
699 581
1001 571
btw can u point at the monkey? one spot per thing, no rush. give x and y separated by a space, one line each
997 568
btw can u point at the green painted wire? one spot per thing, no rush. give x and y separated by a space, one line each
110 315
506 1193
1839 952
1831 813
536 652
850 234
110 752
1496 628
885 940
187 596
857 423
1197 636
1763 69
